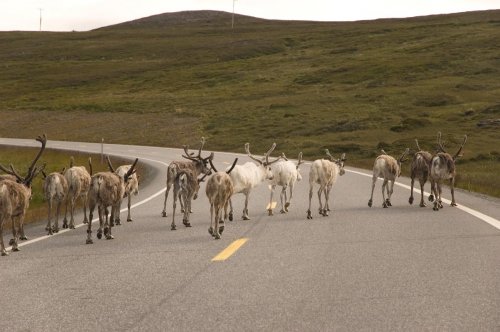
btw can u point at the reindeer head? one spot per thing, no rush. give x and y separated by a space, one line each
458 153
264 161
33 170
340 162
402 159
200 162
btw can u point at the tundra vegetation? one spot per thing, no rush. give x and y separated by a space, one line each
357 86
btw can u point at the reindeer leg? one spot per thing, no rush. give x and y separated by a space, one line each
58 208
433 189
22 236
89 227
230 210
389 192
327 198
164 212
172 226
384 188
129 217
15 235
287 204
216 228
2 246
65 220
85 203
212 221
245 211
48 228
309 215
410 200
109 224
422 183
185 221
374 180
270 209
283 199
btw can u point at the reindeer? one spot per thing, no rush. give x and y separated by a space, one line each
78 180
219 190
420 169
106 190
390 169
196 164
15 197
443 168
285 173
249 175
132 188
55 188
325 173
186 187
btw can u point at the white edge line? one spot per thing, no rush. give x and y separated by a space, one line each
490 220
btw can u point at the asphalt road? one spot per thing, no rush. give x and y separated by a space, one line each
403 268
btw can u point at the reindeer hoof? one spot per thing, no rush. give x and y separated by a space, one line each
245 218
217 236
4 253
431 198
99 235
422 204
23 238
370 203
410 200
129 220
85 221
164 214
230 216
453 204
117 222
11 242
211 231
309 215
89 241
384 205
109 237
173 228
50 232
270 212
16 249
388 202
72 227
282 211
221 229
287 204
186 223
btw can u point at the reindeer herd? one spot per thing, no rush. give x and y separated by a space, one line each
106 190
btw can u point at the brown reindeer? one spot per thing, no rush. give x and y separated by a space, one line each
78 179
106 190
420 169
55 188
15 197
443 168
186 187
389 169
219 190
196 164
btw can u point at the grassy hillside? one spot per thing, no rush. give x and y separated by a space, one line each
353 87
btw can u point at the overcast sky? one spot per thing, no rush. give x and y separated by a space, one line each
82 15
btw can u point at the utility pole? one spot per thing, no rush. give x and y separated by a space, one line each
40 9
232 20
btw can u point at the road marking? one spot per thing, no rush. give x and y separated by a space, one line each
230 250
490 220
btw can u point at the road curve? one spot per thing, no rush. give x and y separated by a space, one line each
361 268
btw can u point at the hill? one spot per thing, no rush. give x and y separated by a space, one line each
353 87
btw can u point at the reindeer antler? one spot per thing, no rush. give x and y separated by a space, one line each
401 159
132 169
201 146
440 143
418 146
383 151
71 161
299 161
232 166
110 166
212 165
247 150
327 152
460 149
43 140
283 156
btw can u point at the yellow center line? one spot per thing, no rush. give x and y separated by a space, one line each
231 249
271 205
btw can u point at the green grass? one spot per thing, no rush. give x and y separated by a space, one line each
352 87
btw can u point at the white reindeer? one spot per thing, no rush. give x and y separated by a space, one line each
285 173
186 187
78 180
247 176
443 168
197 164
219 190
325 173
55 188
389 169
15 198
132 188
420 169
106 190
